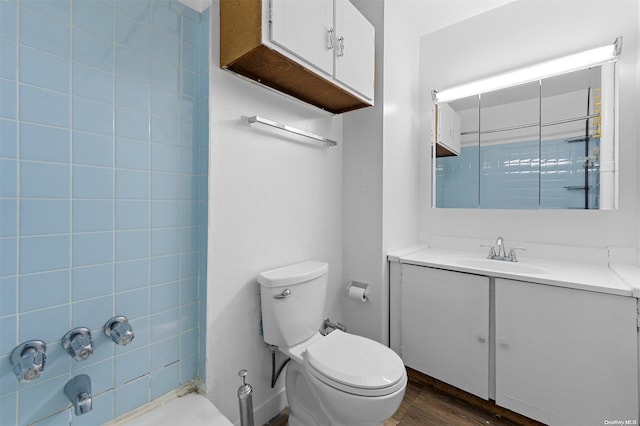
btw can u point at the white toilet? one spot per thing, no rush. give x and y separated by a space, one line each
339 379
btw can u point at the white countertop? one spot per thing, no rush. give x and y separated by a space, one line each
618 280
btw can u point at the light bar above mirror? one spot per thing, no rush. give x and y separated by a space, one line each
575 62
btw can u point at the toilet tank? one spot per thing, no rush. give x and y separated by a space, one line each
292 299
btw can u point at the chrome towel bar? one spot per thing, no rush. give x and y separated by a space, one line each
261 120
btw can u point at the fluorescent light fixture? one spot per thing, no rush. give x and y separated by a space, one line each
563 65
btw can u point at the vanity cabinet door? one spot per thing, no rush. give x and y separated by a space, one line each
565 356
445 326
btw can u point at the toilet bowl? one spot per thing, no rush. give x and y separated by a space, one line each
339 379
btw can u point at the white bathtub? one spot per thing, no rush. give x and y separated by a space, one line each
191 409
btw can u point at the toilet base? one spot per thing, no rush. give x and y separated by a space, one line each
305 408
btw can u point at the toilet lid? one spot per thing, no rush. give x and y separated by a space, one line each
356 362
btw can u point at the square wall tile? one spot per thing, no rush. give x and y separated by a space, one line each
38 291
33 61
164 296
48 325
132 154
92 281
91 50
132 93
8 296
8 217
44 143
44 180
132 214
93 248
132 244
8 53
165 380
91 149
92 182
8 90
133 394
131 33
92 215
92 17
42 32
92 83
165 352
132 184
42 216
8 139
133 304
8 256
56 9
165 269
92 116
132 124
42 106
44 253
92 313
131 275
8 20
132 365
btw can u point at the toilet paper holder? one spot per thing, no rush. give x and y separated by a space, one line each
359 291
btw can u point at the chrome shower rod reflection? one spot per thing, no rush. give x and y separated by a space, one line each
526 126
261 120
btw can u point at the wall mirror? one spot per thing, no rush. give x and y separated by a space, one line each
543 144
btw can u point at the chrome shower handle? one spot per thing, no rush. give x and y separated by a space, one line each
119 330
28 360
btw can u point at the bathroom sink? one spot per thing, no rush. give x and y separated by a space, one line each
500 266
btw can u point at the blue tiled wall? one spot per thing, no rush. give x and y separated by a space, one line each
521 175
103 188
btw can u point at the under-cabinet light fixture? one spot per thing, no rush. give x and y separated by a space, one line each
575 62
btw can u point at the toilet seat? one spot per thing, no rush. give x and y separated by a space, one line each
355 365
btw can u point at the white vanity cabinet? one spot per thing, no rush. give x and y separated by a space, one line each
319 51
565 356
445 326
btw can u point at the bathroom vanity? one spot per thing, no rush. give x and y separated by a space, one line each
554 341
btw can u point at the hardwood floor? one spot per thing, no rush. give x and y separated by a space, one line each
430 402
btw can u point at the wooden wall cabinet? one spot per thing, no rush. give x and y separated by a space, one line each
321 52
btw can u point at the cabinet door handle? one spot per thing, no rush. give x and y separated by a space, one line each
481 339
340 46
331 35
504 344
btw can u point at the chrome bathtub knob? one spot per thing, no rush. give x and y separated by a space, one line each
28 360
78 343
119 330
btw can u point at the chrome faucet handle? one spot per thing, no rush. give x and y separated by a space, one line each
28 360
78 343
119 330
492 250
512 253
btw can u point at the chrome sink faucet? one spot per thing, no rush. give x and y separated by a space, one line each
499 252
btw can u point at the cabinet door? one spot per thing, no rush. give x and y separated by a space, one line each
303 28
445 326
355 49
566 356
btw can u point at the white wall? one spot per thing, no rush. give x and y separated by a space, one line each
381 159
274 199
518 34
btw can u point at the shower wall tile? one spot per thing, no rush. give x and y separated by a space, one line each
103 123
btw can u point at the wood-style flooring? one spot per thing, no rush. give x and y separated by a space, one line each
430 402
